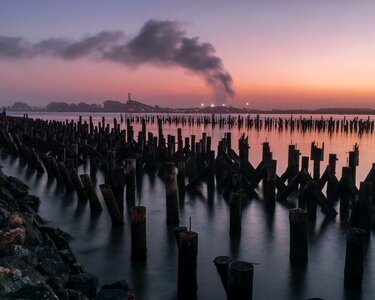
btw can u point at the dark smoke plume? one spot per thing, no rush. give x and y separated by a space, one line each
162 43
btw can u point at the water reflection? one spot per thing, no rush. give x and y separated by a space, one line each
105 250
297 277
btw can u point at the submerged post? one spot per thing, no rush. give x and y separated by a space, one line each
90 192
138 233
187 265
110 201
171 194
222 266
240 281
298 235
131 181
354 258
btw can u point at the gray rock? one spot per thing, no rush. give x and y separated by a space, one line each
30 200
6 195
20 262
33 292
118 285
50 262
85 283
57 286
68 256
53 266
112 294
33 236
75 295
60 237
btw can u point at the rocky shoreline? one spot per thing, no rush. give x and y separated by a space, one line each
36 261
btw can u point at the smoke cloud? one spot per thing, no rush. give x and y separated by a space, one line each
161 43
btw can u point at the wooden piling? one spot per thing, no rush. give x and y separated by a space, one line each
222 267
240 281
270 185
78 186
117 185
138 233
91 193
65 176
131 181
345 197
298 235
361 211
187 265
353 272
171 194
110 201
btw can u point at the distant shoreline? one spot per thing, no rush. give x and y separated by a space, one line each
132 106
202 111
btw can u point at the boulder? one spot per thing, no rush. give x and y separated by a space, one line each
33 292
112 294
75 295
29 200
118 285
17 187
50 262
60 237
12 280
56 284
85 283
14 220
11 239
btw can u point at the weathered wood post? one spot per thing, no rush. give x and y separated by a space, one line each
293 162
316 155
240 280
138 233
305 163
90 192
117 184
266 151
222 266
345 197
131 181
56 170
353 272
65 176
211 175
235 213
332 169
298 235
269 188
110 201
354 162
181 176
187 265
243 149
78 186
177 231
74 152
228 139
362 212
171 194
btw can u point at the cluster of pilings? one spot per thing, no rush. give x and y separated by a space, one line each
183 163
258 122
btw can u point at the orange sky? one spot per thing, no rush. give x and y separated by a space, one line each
280 55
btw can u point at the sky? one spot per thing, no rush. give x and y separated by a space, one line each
271 53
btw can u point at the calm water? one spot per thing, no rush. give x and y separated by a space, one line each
105 250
